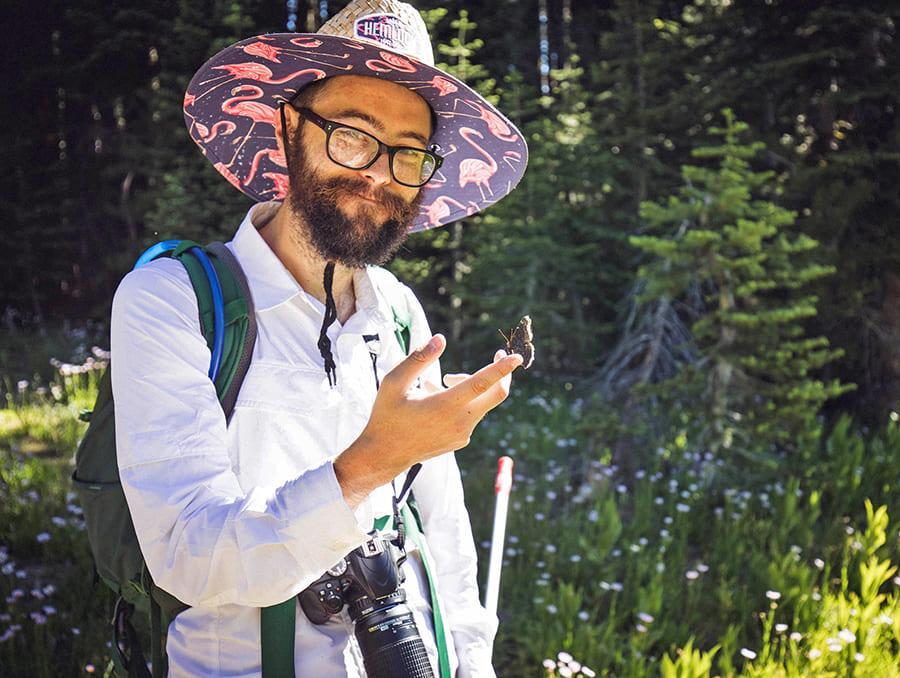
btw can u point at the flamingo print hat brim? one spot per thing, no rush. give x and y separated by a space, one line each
230 104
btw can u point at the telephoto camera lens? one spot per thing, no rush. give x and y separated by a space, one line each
391 645
368 582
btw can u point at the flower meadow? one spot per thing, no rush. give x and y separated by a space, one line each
648 557
677 563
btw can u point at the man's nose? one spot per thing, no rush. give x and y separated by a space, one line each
379 172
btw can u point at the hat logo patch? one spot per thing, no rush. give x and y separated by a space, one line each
387 30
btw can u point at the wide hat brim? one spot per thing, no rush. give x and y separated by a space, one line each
230 104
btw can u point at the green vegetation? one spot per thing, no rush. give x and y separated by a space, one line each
53 614
725 255
672 566
613 98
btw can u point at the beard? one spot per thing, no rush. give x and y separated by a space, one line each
354 242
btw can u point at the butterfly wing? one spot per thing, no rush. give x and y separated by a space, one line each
521 341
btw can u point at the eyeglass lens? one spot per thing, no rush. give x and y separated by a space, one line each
356 149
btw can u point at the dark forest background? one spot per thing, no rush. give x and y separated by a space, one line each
656 129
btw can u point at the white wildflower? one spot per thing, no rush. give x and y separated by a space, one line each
847 636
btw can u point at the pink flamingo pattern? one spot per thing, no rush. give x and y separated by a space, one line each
476 170
263 50
512 158
231 104
208 135
390 62
262 73
440 209
279 184
494 122
274 154
246 106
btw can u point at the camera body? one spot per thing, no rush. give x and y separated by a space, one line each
367 575
368 582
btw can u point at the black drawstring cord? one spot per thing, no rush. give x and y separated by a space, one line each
373 343
324 343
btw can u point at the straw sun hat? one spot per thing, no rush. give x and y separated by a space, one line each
230 103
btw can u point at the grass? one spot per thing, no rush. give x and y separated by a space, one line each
675 563
51 623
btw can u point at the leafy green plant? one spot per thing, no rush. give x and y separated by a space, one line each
852 629
690 663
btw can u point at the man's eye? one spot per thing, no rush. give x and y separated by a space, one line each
352 136
409 156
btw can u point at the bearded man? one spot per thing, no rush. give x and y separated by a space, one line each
349 139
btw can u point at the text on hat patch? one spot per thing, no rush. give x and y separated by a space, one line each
387 30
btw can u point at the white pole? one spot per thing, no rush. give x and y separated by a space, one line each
502 487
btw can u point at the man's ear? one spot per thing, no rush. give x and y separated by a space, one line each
279 131
290 117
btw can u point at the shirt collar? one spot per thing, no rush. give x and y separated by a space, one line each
272 284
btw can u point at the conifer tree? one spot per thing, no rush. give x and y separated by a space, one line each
753 380
186 197
818 82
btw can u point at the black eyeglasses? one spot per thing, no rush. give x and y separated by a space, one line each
354 149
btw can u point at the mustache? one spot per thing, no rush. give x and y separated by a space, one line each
398 208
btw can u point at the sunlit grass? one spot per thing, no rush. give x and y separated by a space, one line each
53 619
675 563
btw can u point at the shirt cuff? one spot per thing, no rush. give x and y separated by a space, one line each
336 530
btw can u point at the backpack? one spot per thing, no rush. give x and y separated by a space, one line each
228 322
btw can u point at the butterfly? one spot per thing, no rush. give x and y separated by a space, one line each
519 341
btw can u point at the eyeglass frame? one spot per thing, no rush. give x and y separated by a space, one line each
329 126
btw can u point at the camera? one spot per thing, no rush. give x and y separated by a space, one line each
368 582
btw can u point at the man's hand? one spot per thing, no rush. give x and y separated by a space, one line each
410 425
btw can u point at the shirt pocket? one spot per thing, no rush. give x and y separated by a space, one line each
283 424
285 389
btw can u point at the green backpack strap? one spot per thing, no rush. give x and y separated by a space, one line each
238 316
277 625
278 622
402 325
412 520
227 284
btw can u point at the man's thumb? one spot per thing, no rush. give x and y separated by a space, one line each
405 374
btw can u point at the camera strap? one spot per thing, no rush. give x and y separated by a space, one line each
408 522
411 520
399 522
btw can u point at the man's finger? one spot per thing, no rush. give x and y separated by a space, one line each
451 380
484 381
404 375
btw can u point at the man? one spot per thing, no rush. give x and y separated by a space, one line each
352 135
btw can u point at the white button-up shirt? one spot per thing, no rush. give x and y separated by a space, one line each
234 518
